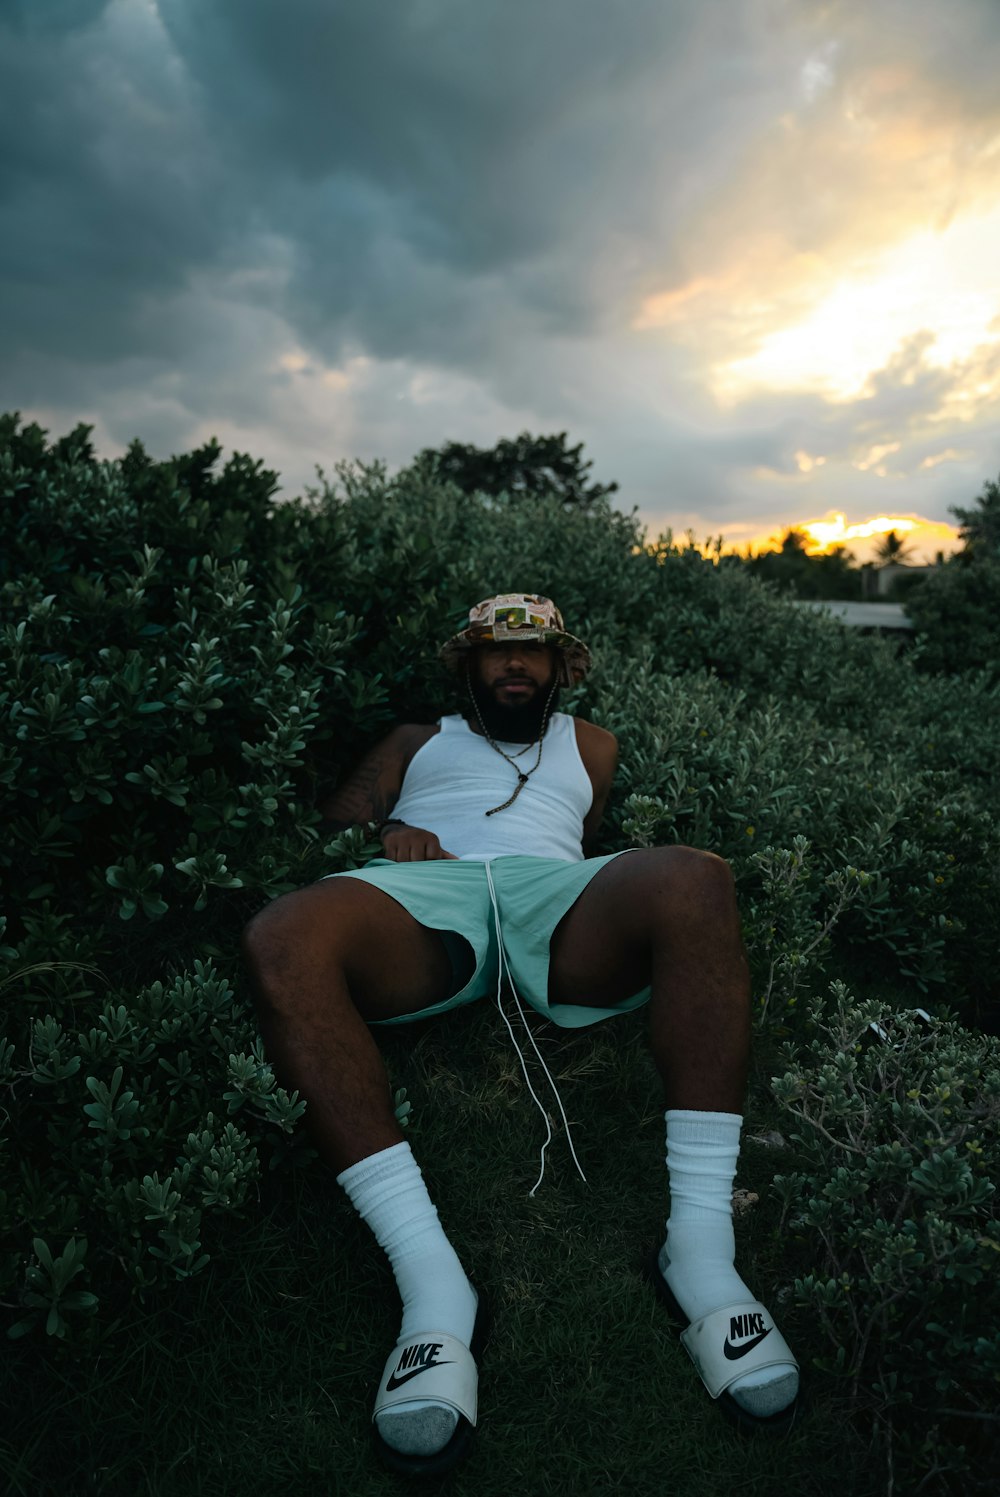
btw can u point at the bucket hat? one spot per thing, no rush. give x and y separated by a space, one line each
510 617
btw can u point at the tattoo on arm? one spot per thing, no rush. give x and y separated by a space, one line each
368 795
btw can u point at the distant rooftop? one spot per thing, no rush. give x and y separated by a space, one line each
861 615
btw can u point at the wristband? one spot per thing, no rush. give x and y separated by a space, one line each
389 821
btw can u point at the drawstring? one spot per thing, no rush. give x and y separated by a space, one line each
504 968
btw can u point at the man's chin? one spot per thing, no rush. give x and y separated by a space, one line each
517 721
514 700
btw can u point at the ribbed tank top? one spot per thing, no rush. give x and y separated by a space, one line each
456 777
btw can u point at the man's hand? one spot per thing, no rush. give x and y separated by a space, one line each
411 844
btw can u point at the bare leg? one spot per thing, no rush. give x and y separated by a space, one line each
666 916
323 961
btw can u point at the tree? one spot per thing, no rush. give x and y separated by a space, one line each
980 527
955 614
956 611
838 576
794 542
527 465
828 575
892 550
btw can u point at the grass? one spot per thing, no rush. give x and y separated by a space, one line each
258 1374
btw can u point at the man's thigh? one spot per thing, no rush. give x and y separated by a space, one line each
428 948
342 929
600 950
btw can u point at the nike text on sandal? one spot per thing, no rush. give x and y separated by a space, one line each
726 1345
438 1367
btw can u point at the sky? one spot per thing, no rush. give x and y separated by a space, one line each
746 251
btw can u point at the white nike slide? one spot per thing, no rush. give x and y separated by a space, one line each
440 1368
726 1345
733 1341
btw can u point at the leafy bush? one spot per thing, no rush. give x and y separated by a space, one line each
834 845
956 614
187 665
128 1122
899 1147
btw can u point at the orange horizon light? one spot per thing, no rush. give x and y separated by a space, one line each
823 535
835 531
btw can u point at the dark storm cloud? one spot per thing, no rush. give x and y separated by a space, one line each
440 167
105 207
446 180
476 197
50 17
446 108
395 152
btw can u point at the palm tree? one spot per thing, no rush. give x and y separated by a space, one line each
892 550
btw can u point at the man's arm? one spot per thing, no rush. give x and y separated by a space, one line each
599 752
371 792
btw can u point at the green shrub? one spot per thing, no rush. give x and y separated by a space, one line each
126 1123
187 665
898 1144
834 845
956 614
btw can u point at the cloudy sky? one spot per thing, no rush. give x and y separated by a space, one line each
747 251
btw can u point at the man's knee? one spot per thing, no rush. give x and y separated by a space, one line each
692 882
269 929
703 867
340 938
295 930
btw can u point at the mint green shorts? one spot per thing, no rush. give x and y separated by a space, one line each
532 896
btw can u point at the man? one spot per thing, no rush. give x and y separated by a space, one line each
482 819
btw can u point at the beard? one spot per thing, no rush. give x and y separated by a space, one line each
516 723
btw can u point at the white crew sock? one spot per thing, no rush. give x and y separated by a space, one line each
697 1258
388 1190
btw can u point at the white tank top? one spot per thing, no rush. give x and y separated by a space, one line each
456 778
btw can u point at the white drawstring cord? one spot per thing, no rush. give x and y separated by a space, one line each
504 968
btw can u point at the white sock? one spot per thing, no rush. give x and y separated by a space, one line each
388 1191
697 1258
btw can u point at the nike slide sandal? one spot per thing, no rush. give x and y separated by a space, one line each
727 1344
438 1367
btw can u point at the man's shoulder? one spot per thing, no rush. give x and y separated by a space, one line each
408 737
415 730
595 741
591 733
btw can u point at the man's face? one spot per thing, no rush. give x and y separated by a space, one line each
515 674
511 684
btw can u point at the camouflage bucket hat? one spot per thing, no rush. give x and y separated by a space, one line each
510 617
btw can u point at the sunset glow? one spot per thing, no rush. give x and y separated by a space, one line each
924 538
942 288
825 534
